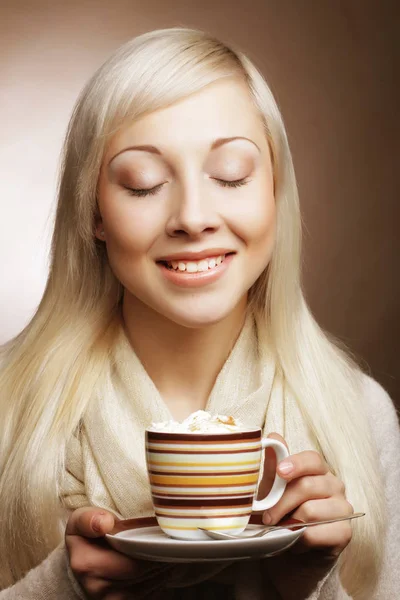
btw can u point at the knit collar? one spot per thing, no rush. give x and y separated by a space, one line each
106 464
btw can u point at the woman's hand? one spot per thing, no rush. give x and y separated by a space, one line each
312 493
102 572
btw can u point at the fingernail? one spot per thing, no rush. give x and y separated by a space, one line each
96 523
285 467
266 519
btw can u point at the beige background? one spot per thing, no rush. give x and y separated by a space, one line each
333 68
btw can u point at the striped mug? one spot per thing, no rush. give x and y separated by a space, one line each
208 480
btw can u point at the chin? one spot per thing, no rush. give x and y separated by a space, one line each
197 319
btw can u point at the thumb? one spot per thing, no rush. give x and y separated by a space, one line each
90 522
270 465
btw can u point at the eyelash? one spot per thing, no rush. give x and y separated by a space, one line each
155 190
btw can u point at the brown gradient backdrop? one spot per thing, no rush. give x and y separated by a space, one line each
332 67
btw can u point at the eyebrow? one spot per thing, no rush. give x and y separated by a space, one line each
154 150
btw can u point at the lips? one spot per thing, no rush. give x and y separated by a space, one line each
198 273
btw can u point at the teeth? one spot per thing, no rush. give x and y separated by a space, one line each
194 267
202 265
191 267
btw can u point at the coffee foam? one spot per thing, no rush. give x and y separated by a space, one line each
200 421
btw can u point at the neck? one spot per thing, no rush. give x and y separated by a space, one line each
182 362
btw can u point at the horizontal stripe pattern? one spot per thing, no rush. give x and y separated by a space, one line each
216 480
204 438
203 502
196 494
206 445
195 452
189 459
203 481
204 491
202 474
205 462
202 470
204 514
231 524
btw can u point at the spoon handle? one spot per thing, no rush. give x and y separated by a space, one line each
311 523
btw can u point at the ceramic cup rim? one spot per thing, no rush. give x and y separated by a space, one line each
186 435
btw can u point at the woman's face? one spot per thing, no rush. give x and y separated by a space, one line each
187 205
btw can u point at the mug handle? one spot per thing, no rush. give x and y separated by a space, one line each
279 484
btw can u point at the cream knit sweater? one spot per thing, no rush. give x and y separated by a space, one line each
256 396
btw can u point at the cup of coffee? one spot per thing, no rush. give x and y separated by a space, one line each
205 472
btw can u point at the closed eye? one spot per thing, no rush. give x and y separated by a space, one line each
144 191
233 184
152 191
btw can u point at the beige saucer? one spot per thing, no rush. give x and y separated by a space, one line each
146 541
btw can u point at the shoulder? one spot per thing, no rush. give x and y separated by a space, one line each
382 414
378 403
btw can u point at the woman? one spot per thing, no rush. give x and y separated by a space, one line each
174 286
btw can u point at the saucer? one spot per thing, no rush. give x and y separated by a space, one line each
143 539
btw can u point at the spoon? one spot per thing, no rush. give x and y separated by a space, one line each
219 535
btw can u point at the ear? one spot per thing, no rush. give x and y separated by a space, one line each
99 231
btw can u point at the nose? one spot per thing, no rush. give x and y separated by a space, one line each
193 213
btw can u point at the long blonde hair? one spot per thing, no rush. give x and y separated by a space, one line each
51 369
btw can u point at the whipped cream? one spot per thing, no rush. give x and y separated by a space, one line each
200 421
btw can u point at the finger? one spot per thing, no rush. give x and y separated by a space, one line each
90 522
323 510
86 558
95 587
332 538
332 535
308 462
301 490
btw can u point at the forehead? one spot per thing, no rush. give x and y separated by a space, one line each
221 109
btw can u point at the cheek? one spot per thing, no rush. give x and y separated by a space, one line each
255 225
131 229
261 230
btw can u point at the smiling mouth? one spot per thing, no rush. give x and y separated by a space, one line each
195 266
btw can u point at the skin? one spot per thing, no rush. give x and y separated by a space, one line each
184 335
104 573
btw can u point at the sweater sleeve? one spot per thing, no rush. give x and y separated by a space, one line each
385 425
51 580
324 582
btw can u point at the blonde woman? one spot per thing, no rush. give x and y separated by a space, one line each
175 286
